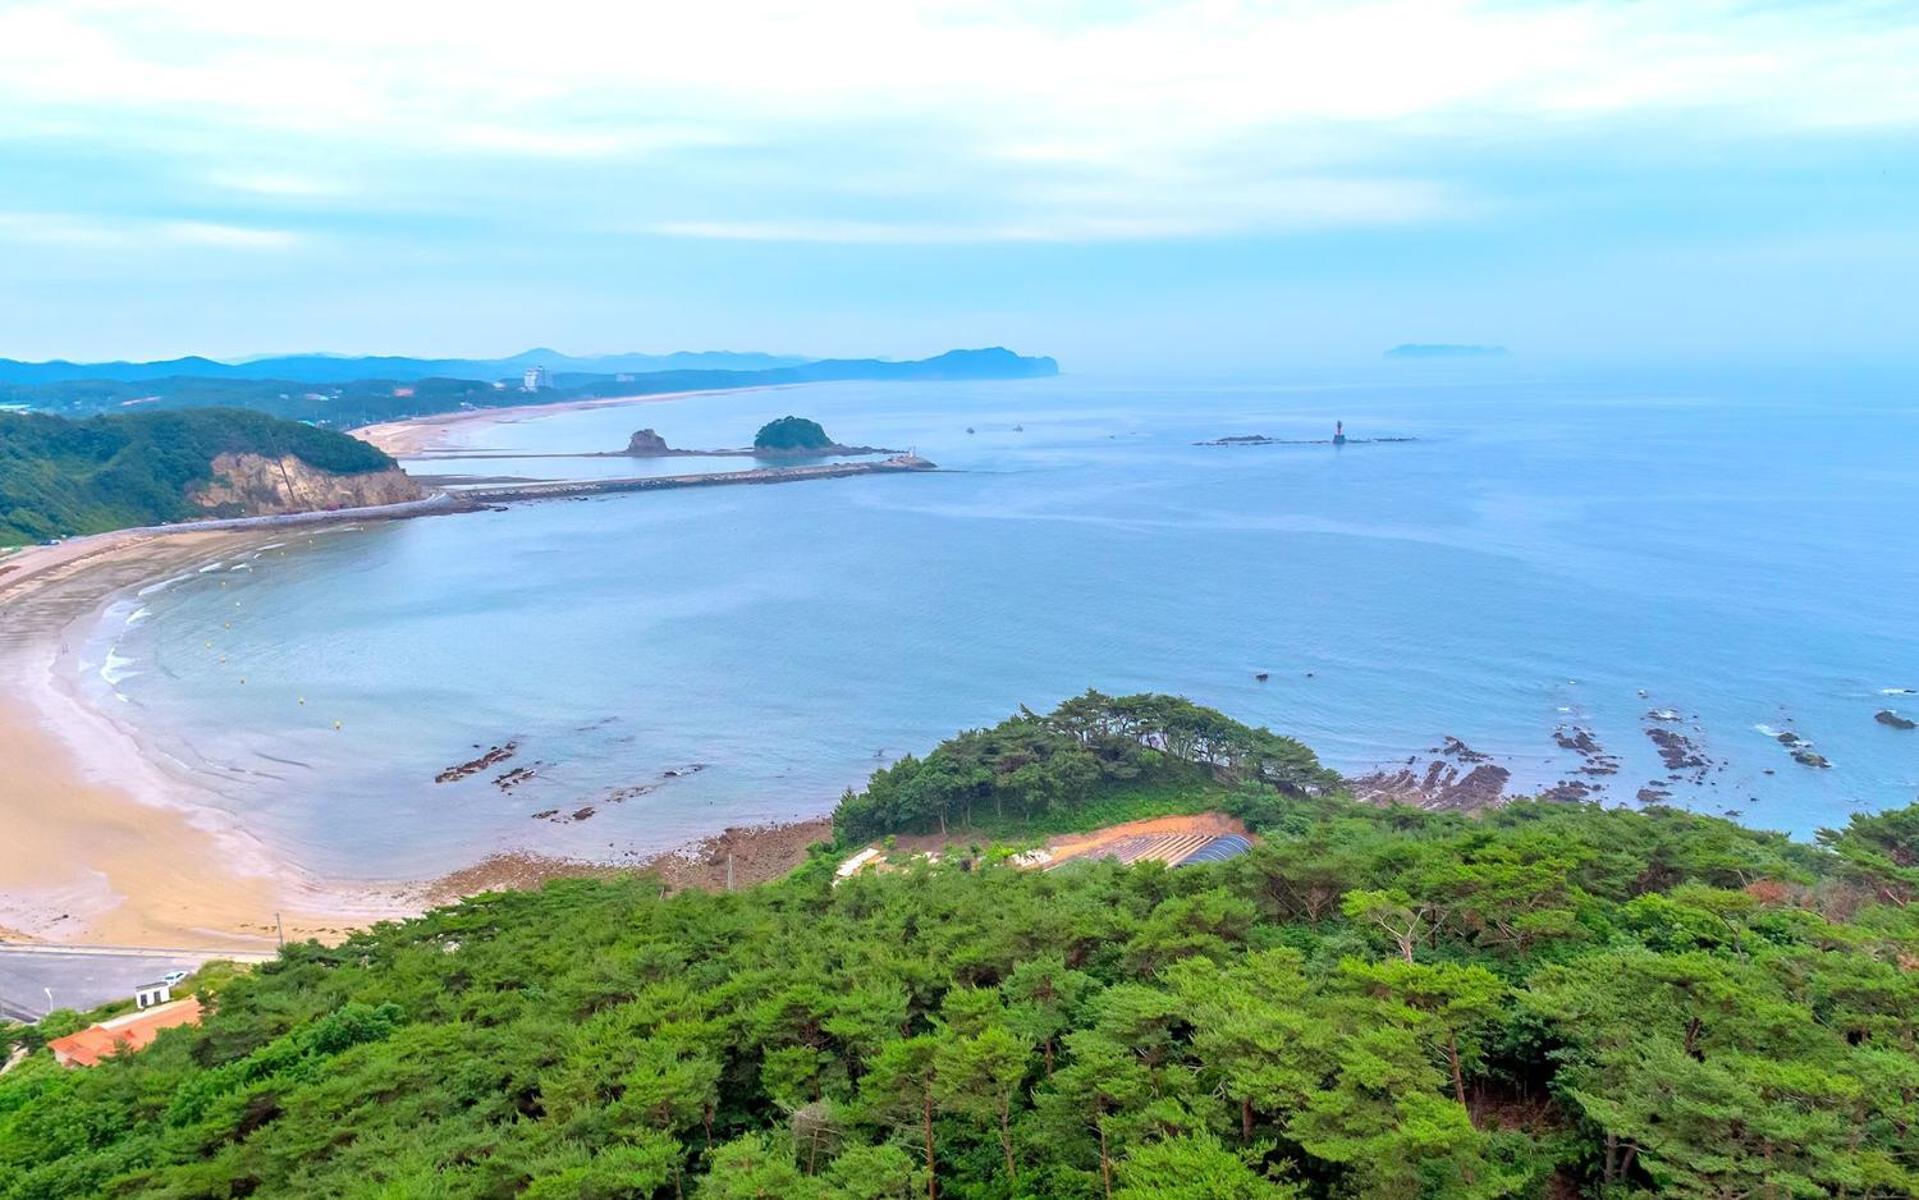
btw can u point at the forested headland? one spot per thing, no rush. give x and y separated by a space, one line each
1544 1000
60 477
1110 757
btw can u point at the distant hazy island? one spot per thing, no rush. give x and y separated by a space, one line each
1445 350
59 477
347 392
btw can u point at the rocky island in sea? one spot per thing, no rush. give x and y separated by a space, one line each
794 437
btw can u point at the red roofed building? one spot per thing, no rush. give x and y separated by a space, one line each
122 1035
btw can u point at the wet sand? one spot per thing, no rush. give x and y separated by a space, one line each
108 842
101 844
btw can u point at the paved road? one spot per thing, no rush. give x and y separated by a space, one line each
82 977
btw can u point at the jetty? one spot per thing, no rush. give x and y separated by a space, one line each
560 489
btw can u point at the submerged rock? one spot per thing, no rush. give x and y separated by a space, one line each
1886 716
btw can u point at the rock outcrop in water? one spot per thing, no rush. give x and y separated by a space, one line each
646 443
810 442
1441 785
1891 719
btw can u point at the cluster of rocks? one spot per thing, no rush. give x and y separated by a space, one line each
618 795
1457 779
1680 754
1593 757
1801 750
492 758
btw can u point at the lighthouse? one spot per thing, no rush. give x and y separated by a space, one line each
1339 433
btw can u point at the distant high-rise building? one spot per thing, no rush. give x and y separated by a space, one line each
534 380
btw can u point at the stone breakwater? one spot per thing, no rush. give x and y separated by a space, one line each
564 489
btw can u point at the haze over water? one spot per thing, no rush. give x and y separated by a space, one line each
1738 548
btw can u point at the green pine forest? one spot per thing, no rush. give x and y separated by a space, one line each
60 477
1545 1000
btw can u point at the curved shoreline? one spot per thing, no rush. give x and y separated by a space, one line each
109 844
113 841
416 435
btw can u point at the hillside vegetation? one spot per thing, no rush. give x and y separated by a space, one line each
1546 1001
61 477
389 389
1035 772
791 433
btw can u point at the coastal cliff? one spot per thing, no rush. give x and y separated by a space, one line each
255 485
60 478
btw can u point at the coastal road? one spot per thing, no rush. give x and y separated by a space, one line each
81 977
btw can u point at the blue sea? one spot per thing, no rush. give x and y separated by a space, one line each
1552 551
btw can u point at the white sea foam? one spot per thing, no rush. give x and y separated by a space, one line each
138 615
161 586
117 667
1899 691
212 566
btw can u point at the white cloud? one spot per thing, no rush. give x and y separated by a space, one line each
1160 65
1085 213
230 237
129 233
286 184
1058 120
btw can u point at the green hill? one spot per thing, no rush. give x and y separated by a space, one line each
61 477
1549 1000
792 433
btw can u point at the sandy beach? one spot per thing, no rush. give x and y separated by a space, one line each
109 842
101 845
418 435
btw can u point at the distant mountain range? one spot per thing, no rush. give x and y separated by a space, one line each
352 398
336 368
1445 350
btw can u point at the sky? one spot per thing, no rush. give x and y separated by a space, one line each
1125 184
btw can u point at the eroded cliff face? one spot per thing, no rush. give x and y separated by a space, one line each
253 485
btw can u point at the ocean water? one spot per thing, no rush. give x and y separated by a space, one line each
1550 551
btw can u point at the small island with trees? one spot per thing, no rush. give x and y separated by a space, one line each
787 437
